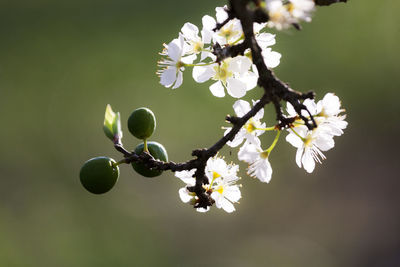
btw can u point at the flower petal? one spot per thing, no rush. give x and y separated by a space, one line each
168 76
265 39
221 14
294 140
238 139
175 50
190 31
308 161
179 80
249 153
240 64
241 107
186 176
184 195
208 22
299 154
250 79
271 58
232 193
236 88
217 89
201 74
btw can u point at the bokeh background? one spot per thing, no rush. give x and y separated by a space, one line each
61 62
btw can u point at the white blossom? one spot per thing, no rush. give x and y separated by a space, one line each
231 32
310 144
222 186
283 15
171 74
328 112
251 130
196 44
237 75
185 195
234 74
279 16
301 9
259 166
265 40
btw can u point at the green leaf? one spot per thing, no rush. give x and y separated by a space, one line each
112 125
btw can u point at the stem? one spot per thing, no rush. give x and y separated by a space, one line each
272 128
146 149
199 65
303 139
238 40
272 146
274 91
122 161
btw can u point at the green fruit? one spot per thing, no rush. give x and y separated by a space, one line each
99 175
142 123
157 151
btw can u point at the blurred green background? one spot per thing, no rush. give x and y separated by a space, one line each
61 62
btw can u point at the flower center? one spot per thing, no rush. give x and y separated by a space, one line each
197 46
275 16
250 126
264 154
179 64
220 189
216 175
228 31
290 7
308 140
323 114
222 73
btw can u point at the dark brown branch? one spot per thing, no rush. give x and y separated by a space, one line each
202 156
228 51
275 91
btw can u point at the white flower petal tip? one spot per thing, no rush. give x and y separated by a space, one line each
259 166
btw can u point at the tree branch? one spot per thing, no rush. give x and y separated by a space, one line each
275 91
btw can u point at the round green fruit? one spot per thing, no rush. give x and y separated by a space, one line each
142 123
99 175
157 151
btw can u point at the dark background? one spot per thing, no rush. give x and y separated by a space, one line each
61 62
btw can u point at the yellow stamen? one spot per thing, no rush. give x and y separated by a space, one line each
216 175
197 47
250 127
220 190
290 7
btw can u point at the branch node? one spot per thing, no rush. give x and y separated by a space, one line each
232 119
199 153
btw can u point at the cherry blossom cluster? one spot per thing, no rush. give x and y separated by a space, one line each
309 143
195 49
222 186
235 75
283 14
